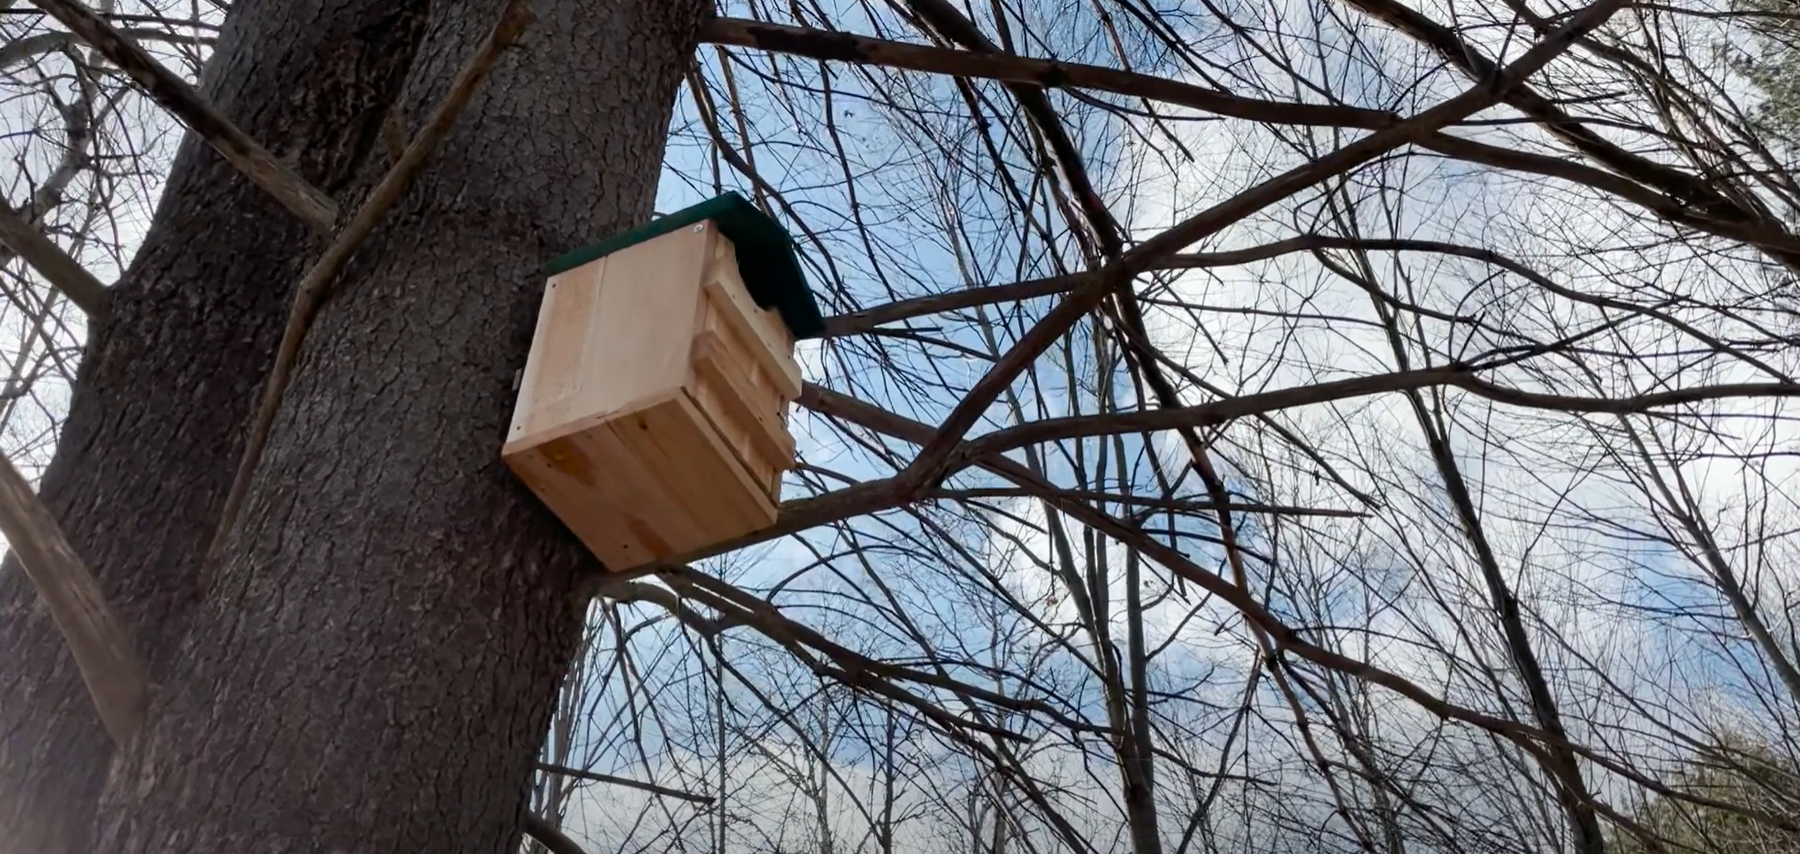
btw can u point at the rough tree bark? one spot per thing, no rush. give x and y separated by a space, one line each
156 418
373 666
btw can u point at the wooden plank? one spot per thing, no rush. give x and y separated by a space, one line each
713 404
756 385
553 370
758 508
635 339
624 509
97 639
760 386
624 494
675 439
725 282
748 421
769 322
663 445
655 496
613 333
560 473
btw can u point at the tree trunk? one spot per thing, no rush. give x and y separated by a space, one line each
375 664
156 419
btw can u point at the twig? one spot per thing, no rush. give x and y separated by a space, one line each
1144 501
97 639
929 465
319 284
63 272
175 95
665 791
540 828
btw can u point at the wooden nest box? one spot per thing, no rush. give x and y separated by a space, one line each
652 413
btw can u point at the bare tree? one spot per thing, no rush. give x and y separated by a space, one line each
1252 426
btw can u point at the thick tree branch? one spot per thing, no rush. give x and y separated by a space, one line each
1231 408
320 282
1770 237
539 828
1559 763
869 319
175 95
628 783
1704 194
877 677
98 641
61 271
985 451
1148 502
1042 73
929 465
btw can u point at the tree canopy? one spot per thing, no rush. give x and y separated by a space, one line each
1738 771
1772 63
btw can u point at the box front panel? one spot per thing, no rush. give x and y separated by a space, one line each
766 337
641 323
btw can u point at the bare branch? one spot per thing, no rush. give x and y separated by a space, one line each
1042 73
306 201
929 464
539 828
98 640
628 783
61 271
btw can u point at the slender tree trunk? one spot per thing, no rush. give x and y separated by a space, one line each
375 664
156 419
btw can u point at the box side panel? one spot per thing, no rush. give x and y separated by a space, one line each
741 402
765 326
640 328
760 508
767 385
552 370
567 476
716 398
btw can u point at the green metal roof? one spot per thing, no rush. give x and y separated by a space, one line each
765 256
